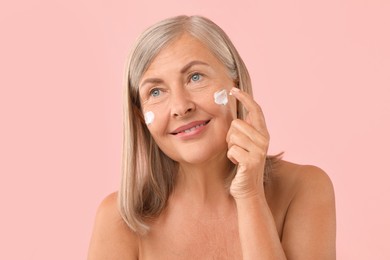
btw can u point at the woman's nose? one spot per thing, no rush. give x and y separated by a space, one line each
181 104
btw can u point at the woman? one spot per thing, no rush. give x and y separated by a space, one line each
197 182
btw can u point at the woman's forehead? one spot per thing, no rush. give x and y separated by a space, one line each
185 45
182 52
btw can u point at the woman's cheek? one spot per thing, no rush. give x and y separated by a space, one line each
156 119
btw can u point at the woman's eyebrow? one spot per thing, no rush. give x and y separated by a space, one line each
183 70
151 80
192 63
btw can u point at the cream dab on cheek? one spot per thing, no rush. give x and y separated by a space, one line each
149 117
221 97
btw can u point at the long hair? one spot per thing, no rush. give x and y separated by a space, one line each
148 175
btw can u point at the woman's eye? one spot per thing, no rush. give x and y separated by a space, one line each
155 92
196 77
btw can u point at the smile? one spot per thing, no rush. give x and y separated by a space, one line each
193 128
190 127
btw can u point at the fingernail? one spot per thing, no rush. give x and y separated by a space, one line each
234 90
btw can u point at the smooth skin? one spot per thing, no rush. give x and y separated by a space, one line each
291 217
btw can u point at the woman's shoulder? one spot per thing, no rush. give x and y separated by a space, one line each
297 176
292 184
302 198
111 237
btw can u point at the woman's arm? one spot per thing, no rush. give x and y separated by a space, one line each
258 234
248 142
309 229
111 237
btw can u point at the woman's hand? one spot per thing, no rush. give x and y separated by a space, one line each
248 142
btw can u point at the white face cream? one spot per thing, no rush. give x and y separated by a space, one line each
221 97
149 117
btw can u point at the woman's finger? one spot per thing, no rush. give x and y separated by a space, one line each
258 137
237 154
254 110
240 139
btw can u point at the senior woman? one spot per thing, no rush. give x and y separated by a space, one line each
197 182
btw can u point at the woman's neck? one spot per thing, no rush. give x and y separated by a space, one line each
204 184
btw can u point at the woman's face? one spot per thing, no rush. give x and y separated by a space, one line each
178 88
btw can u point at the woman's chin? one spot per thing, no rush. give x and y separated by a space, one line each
203 159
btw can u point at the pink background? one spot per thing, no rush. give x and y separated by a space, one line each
321 71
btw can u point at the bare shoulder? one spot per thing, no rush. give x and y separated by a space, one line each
298 179
309 229
111 237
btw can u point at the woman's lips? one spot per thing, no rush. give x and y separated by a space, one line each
191 127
